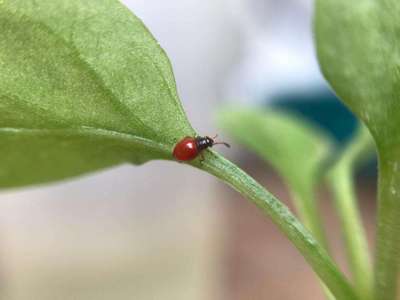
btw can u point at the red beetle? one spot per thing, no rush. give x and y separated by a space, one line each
190 147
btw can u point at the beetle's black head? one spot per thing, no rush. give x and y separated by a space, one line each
204 142
209 141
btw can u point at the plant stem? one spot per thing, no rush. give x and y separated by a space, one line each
316 256
342 184
306 205
340 178
388 229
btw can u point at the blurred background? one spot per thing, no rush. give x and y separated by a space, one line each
167 231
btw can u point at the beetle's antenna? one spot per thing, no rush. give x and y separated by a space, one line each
215 137
222 143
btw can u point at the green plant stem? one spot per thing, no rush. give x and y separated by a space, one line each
342 184
315 254
388 229
341 181
306 205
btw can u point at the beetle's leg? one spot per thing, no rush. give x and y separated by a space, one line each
201 157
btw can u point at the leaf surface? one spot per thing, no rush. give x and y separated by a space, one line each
83 86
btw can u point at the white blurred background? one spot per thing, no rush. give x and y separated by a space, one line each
156 231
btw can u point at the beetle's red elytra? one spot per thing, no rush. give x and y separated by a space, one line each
190 147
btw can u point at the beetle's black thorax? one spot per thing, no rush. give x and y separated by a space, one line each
203 142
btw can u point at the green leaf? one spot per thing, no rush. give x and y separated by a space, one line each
358 45
83 86
294 147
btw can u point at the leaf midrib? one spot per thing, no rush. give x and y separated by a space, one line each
91 131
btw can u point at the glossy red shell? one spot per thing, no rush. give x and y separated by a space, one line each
186 149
